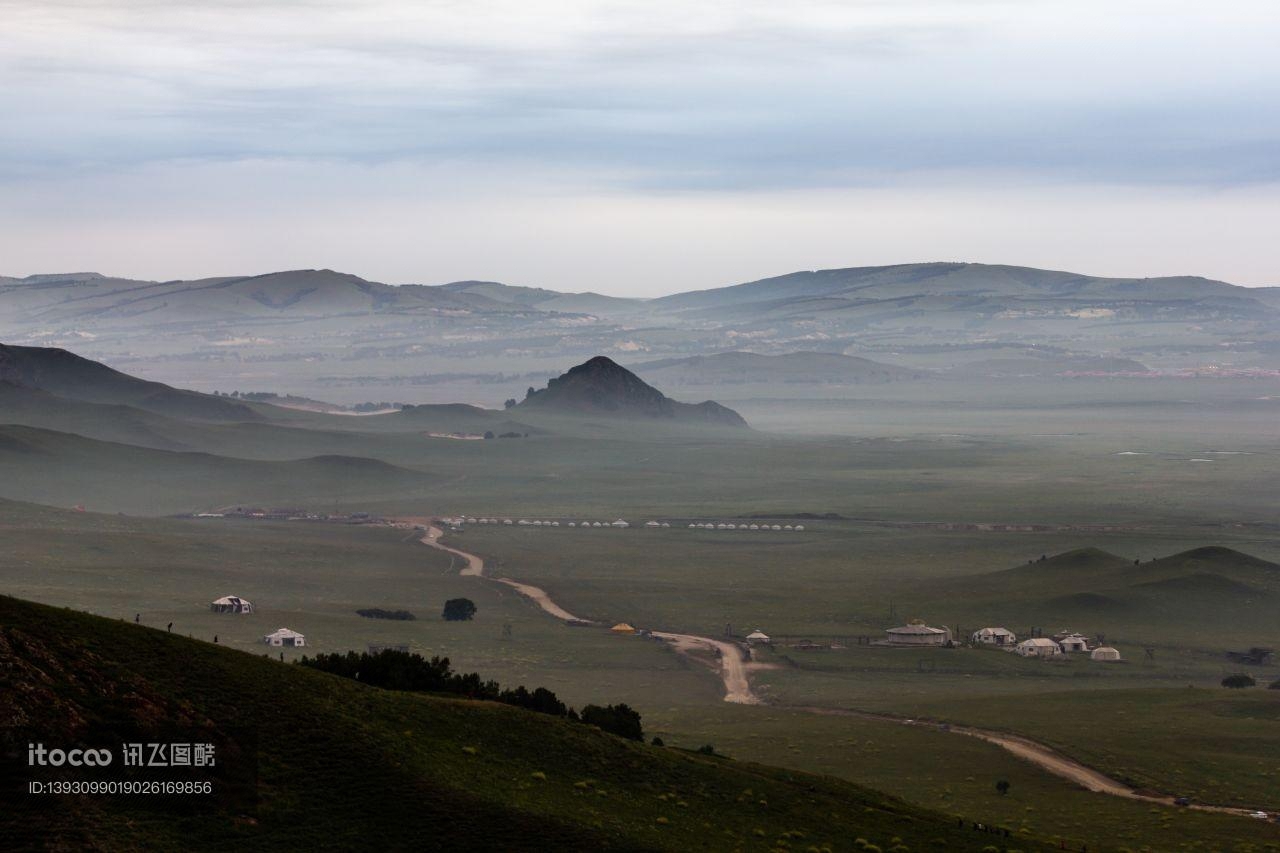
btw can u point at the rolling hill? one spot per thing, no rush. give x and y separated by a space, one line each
309 761
1209 593
65 374
737 368
63 469
601 386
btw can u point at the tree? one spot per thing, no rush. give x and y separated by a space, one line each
1003 787
1238 681
510 403
488 433
459 609
620 720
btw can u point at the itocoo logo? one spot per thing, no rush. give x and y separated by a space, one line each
38 755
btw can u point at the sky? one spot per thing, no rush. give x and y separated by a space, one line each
638 148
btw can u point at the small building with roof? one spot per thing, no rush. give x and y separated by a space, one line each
286 638
1073 643
916 633
231 604
1038 647
1106 654
994 637
758 638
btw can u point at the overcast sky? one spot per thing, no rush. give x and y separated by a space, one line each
638 148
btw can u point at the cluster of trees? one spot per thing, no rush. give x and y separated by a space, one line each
379 613
396 670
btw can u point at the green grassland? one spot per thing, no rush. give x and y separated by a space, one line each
956 775
342 765
312 577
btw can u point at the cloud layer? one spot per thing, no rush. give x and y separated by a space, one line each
220 111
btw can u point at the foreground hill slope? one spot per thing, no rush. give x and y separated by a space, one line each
312 761
602 386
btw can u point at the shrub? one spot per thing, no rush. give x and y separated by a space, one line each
1275 685
459 609
620 720
1238 681
379 613
707 749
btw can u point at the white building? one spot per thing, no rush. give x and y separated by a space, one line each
1038 647
994 637
285 637
231 604
758 638
1105 653
1074 643
917 634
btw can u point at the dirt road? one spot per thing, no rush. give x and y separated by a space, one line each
475 568
733 668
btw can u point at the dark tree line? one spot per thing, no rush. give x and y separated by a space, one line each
396 670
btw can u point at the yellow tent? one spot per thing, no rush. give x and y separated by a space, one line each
623 628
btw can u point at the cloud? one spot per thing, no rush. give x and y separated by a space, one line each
742 95
582 137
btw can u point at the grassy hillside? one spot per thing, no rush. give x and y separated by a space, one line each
339 764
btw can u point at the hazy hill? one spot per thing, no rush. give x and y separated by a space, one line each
547 300
295 331
602 386
974 282
68 375
310 761
62 469
734 368
1211 593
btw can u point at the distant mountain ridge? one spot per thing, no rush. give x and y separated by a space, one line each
602 386
930 317
729 368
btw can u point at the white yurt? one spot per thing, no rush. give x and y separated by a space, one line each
231 604
1105 653
285 637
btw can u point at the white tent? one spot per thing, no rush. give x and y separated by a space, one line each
231 604
1105 653
285 637
758 637
1074 643
1038 647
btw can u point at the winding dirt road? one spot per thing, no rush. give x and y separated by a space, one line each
475 568
734 669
